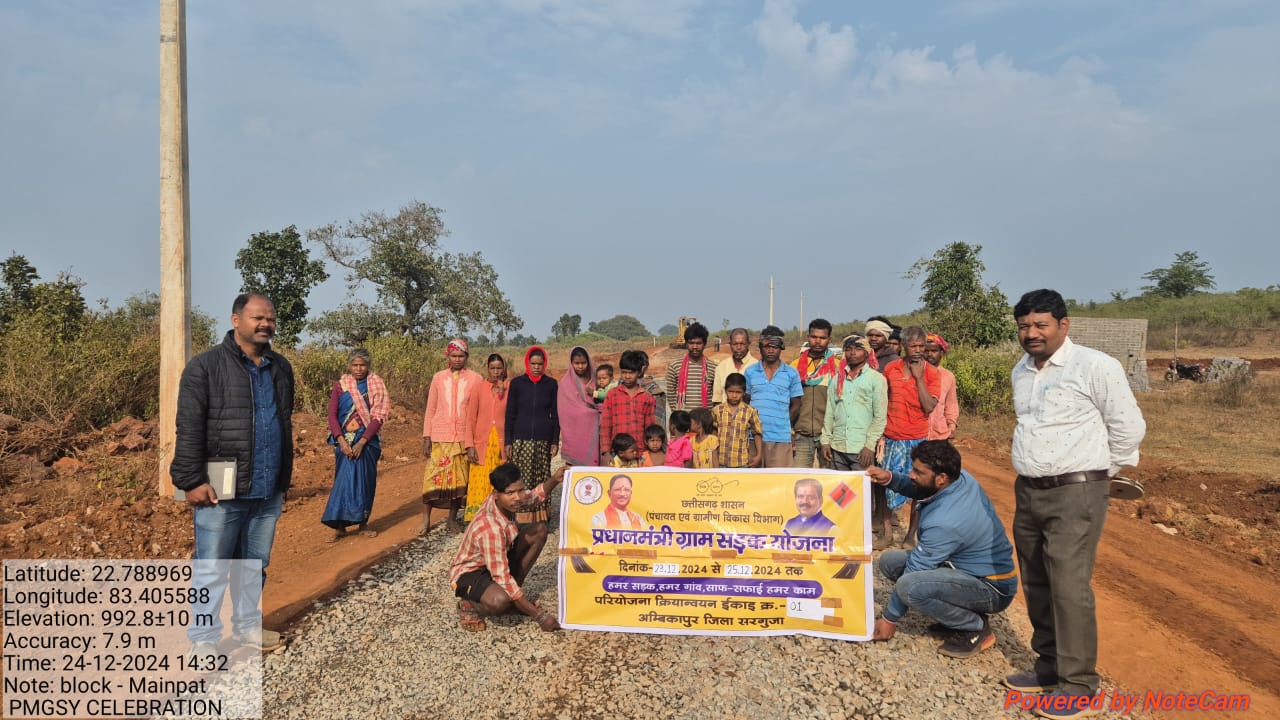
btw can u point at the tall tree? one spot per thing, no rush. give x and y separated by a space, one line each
619 327
421 289
1186 276
56 306
567 326
277 265
60 305
19 277
960 307
352 324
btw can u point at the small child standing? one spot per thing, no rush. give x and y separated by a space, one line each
705 444
739 426
655 444
604 382
627 407
680 451
626 452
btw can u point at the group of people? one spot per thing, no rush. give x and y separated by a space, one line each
888 410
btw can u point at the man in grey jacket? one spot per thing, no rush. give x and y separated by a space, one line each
235 403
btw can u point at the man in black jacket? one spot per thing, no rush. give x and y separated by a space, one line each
235 403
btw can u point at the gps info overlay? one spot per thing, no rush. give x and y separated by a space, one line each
115 638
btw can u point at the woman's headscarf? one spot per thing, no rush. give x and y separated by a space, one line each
579 414
379 405
535 350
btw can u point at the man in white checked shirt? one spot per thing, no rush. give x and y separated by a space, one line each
1078 425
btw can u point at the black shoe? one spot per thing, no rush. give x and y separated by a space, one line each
967 643
940 630
1029 682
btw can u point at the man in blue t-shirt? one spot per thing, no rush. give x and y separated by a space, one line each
775 392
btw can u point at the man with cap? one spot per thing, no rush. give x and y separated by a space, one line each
855 414
775 391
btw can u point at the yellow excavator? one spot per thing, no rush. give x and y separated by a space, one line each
682 325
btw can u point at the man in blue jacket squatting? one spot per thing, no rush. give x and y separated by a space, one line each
962 568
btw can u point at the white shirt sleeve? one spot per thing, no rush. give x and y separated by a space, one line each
1125 424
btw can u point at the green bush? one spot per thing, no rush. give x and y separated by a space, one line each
315 370
64 380
403 363
407 366
982 377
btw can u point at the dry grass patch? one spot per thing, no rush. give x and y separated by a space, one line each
1207 461
1223 427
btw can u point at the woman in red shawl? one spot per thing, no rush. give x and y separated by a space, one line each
579 414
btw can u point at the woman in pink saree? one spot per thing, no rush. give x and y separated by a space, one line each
579 414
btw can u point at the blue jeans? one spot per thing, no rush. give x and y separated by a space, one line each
232 530
958 600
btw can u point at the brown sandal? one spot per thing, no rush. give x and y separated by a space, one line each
468 617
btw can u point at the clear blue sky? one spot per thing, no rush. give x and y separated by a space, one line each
662 157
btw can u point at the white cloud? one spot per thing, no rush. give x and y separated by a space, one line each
899 107
818 52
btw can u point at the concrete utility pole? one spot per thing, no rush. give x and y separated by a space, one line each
175 221
770 299
802 326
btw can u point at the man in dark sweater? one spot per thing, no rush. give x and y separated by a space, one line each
235 404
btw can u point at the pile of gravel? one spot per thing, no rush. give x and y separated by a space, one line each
389 646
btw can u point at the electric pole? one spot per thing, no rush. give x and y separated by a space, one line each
770 299
175 221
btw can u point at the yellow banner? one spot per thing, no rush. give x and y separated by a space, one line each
716 552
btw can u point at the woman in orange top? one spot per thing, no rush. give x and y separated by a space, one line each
490 421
